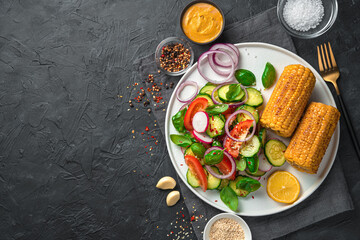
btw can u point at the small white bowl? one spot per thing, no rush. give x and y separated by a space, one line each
245 227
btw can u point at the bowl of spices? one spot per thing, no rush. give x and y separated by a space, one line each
202 21
227 226
307 18
174 56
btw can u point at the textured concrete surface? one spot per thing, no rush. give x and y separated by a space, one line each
70 167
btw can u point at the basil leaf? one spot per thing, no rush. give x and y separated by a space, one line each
180 140
178 121
198 149
214 157
217 108
228 196
248 184
234 91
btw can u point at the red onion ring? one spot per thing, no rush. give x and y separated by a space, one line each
233 165
181 87
214 59
234 48
229 121
184 106
237 104
210 52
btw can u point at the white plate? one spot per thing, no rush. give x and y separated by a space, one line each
253 56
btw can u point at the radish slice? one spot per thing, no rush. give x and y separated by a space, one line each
264 165
202 137
200 122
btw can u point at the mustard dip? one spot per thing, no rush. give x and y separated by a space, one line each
202 22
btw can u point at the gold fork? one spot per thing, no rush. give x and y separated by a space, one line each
330 73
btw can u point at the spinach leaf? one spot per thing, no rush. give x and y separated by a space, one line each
248 184
228 196
178 121
234 91
180 140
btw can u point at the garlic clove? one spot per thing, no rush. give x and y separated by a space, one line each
166 183
172 198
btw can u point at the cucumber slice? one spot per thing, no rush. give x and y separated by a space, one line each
188 151
213 182
252 110
192 180
262 137
274 152
224 183
210 102
239 192
216 126
259 173
255 98
251 147
223 91
207 89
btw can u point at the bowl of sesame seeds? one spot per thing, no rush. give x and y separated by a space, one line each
307 18
226 226
174 56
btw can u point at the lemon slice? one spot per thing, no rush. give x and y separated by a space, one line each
283 187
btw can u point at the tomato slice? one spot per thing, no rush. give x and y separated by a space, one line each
199 104
239 131
225 167
197 169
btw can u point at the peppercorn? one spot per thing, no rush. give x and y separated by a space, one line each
146 103
175 57
171 85
149 110
131 105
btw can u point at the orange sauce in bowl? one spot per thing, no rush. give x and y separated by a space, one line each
202 22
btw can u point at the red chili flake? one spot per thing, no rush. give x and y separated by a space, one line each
155 143
192 218
212 117
181 164
182 215
152 137
141 88
142 133
215 200
146 128
147 175
252 197
145 146
149 90
249 162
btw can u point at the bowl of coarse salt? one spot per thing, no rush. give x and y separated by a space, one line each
307 18
226 226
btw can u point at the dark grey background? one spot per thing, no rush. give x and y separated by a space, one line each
70 167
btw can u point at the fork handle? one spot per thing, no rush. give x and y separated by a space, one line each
349 125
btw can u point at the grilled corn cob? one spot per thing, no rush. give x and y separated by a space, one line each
311 139
288 100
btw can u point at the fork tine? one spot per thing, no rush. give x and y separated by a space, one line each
323 57
321 68
332 56
327 56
